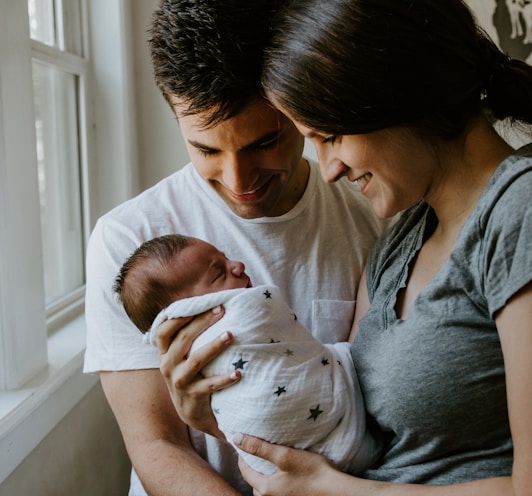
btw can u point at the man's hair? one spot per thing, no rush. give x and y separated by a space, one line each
144 284
208 53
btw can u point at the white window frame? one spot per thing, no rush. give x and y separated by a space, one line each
41 377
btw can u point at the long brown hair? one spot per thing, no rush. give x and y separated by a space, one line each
356 66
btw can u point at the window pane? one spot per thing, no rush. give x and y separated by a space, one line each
56 122
42 24
70 28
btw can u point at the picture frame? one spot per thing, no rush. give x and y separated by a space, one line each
508 23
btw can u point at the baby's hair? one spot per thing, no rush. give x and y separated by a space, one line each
143 285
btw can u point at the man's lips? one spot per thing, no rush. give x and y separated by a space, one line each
254 195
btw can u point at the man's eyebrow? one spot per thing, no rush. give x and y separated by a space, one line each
265 138
259 141
197 144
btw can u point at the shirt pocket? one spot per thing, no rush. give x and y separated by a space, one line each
332 319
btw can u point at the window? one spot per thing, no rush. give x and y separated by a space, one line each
67 155
59 71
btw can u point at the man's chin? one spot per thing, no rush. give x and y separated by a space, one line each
247 211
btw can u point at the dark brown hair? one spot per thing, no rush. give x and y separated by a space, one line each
143 285
208 53
356 66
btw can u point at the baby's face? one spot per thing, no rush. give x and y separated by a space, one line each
208 270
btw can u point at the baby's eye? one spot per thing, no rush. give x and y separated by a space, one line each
218 276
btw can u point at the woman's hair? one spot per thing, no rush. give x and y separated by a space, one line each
208 53
357 66
145 283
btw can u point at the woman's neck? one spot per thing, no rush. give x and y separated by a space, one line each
467 165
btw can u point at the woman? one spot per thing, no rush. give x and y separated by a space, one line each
399 96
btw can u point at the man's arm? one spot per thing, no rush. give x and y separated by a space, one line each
156 439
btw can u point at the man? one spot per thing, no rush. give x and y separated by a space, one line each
248 191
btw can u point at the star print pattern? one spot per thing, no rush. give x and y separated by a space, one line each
239 364
291 348
288 380
280 390
315 413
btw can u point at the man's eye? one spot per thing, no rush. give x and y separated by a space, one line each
269 144
206 152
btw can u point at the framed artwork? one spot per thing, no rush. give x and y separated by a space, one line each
509 23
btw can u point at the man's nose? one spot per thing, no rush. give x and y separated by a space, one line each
239 174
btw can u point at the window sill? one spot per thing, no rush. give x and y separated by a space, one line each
28 414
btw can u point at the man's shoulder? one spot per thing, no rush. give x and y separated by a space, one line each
169 192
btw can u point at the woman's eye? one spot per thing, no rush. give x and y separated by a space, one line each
330 139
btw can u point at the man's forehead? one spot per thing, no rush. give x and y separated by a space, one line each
251 127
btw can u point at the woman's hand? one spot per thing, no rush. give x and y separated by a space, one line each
299 472
189 390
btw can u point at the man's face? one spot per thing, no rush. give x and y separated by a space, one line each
253 160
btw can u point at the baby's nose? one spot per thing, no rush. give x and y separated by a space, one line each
238 269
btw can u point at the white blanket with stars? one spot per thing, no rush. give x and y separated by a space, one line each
294 390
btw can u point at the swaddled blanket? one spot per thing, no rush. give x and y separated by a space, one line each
294 390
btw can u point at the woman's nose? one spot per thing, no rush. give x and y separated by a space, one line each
332 171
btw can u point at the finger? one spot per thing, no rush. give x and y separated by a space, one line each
184 373
186 329
252 477
256 446
167 331
205 386
203 355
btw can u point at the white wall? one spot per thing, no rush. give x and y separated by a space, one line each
161 149
83 456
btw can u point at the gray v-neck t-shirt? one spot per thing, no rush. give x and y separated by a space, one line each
434 383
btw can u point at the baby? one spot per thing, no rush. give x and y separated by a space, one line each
294 390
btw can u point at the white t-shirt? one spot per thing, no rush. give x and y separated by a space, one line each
315 253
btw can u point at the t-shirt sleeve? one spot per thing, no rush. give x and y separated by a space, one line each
113 341
508 245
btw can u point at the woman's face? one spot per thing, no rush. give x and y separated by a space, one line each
393 167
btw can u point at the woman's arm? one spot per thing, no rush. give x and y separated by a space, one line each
514 323
307 474
302 473
189 390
